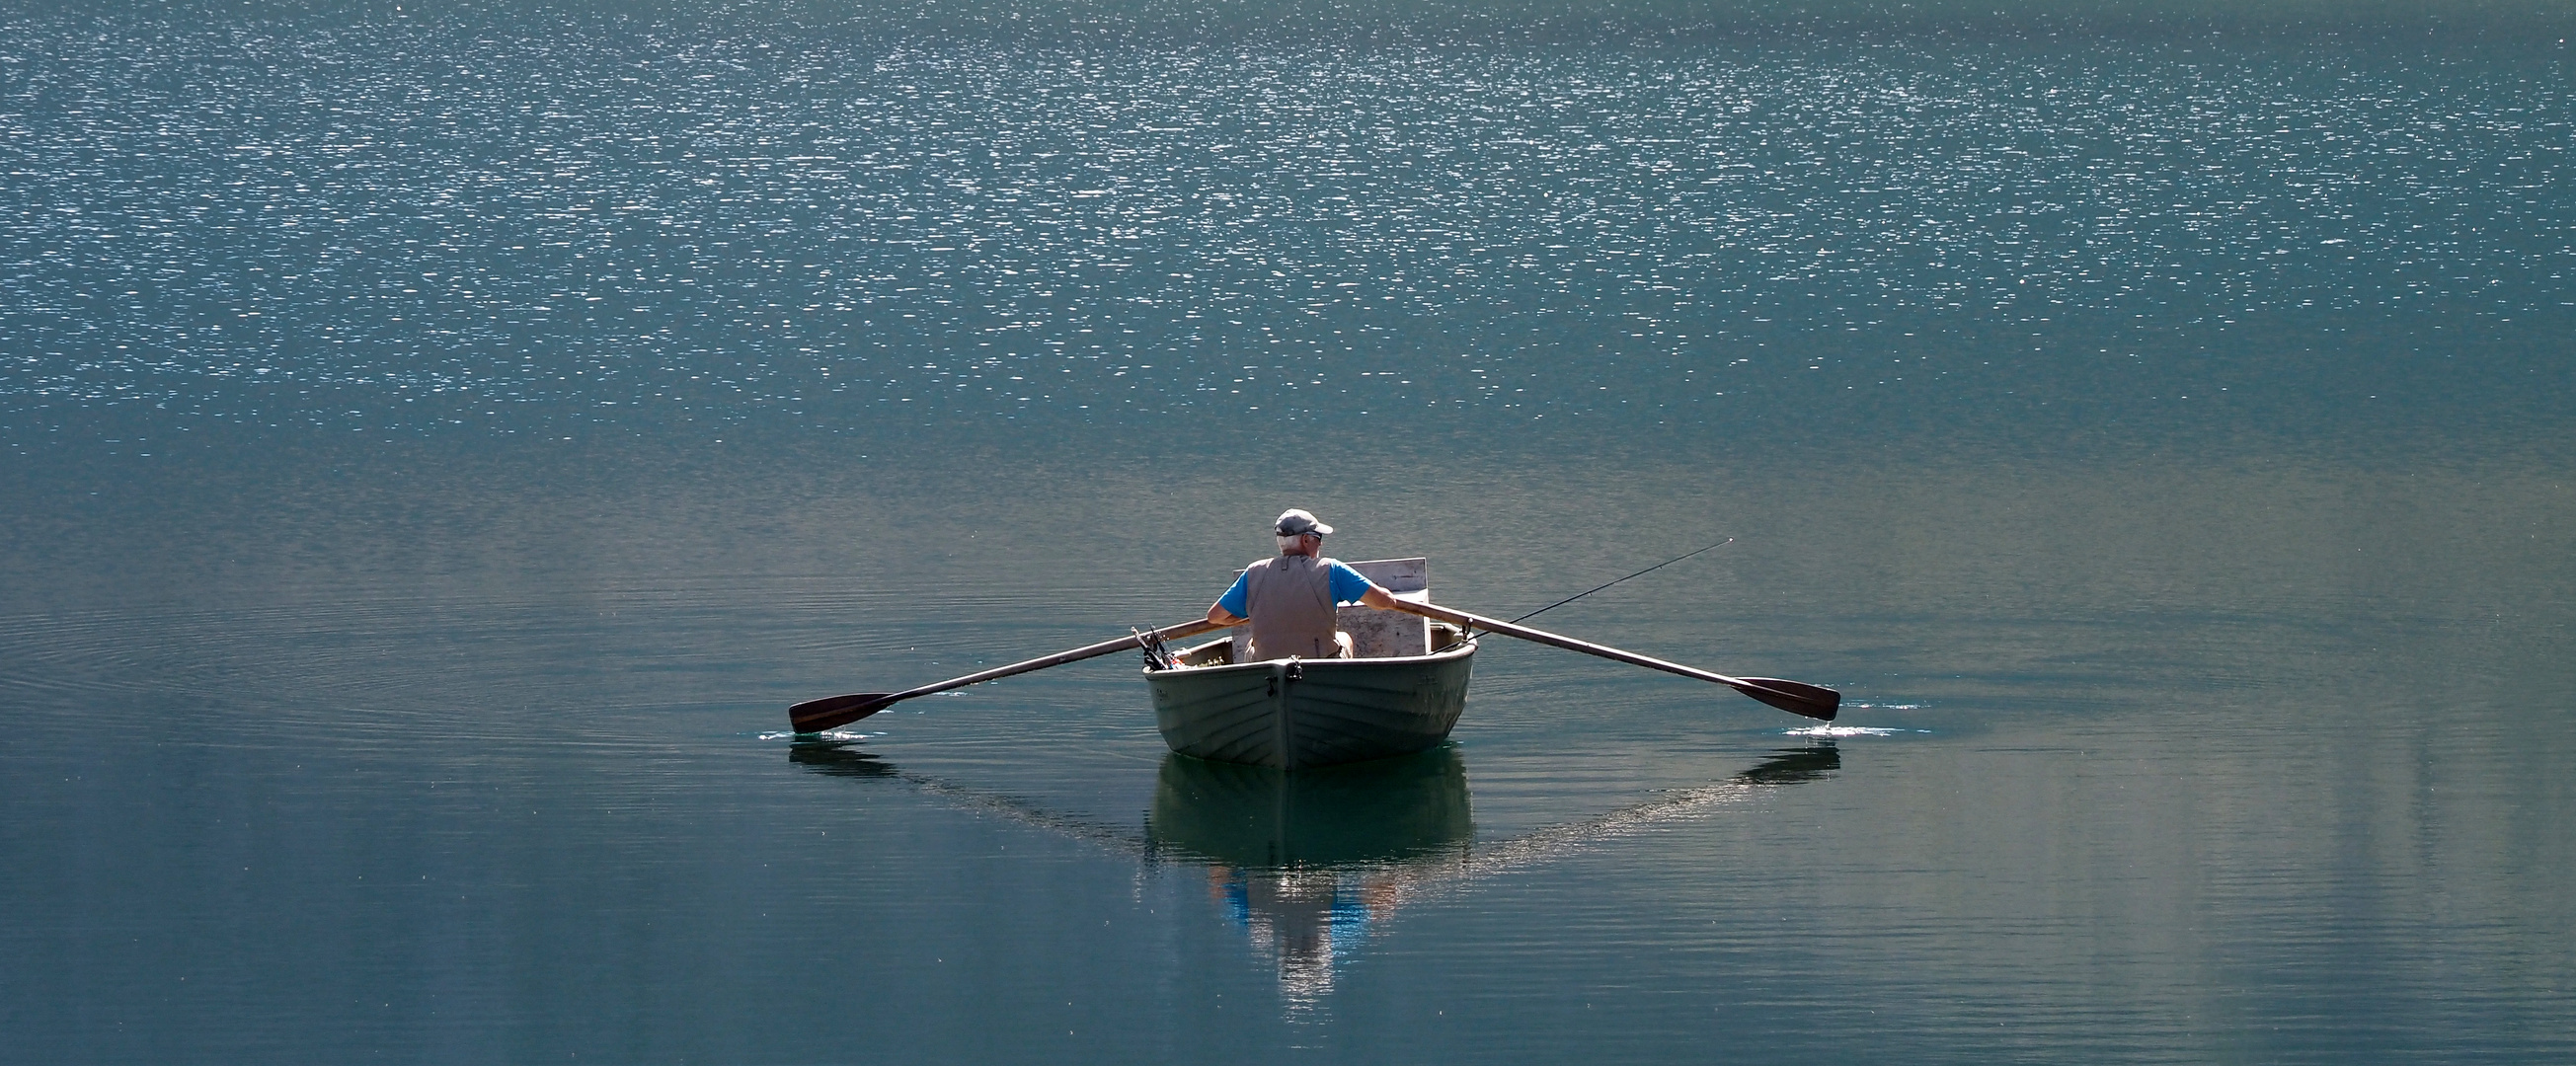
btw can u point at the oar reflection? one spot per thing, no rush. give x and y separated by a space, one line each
1311 864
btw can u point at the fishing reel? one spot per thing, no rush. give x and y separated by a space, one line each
1158 656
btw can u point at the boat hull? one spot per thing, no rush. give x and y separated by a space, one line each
1292 713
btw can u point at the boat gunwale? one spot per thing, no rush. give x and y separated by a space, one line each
1461 649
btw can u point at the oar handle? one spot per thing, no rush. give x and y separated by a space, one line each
1809 700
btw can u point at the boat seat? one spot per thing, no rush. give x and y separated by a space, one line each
1377 634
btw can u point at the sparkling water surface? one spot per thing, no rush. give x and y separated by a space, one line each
439 445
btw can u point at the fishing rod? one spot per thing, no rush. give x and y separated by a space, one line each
1640 573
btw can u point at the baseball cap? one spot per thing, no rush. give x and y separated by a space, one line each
1297 522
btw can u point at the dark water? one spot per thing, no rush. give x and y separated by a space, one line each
439 444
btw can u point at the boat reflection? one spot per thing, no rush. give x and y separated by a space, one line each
1307 862
1264 818
1312 863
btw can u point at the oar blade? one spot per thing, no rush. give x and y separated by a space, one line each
833 712
1813 701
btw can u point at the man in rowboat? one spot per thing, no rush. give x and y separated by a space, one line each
1289 599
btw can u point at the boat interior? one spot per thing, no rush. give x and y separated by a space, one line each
1375 634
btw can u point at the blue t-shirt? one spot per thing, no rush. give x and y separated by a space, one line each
1348 587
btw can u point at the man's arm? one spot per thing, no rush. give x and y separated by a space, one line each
1223 615
1371 595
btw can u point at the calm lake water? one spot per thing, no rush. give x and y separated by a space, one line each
436 446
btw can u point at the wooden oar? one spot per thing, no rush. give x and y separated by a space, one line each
815 716
1810 700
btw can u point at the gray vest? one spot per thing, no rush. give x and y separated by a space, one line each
1290 601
